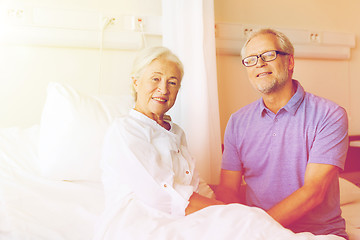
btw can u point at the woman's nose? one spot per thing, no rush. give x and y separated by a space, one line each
163 88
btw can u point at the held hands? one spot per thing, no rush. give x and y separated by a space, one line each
197 202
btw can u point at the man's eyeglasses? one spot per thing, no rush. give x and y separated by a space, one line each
266 57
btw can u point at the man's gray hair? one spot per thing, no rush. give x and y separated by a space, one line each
284 41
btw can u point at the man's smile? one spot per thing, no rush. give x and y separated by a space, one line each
263 74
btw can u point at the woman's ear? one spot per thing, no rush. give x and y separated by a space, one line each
135 83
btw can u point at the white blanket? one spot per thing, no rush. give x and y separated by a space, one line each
133 220
35 208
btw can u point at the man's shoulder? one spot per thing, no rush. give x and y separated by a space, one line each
244 116
315 102
323 110
247 109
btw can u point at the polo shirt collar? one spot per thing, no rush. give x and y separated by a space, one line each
293 104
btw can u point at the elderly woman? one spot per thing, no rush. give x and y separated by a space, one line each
149 176
146 152
145 155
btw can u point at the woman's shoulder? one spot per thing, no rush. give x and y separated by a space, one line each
127 125
129 120
176 129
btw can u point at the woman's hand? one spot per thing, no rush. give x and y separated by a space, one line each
197 202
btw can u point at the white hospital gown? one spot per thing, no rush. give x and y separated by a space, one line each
143 158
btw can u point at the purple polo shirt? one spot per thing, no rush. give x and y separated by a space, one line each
272 151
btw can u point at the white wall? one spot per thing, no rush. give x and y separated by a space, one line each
333 79
26 70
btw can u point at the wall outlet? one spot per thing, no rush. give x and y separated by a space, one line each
16 15
315 37
247 32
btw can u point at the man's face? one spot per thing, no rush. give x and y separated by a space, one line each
268 77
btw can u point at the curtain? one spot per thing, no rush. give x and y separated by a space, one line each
188 30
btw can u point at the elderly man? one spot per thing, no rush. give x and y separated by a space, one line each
288 146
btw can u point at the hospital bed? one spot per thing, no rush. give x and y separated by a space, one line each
49 176
350 197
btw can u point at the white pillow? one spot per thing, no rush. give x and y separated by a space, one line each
349 192
72 130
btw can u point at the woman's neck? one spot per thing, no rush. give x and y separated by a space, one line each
159 119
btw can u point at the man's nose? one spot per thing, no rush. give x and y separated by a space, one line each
260 62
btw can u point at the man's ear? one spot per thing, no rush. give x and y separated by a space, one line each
291 62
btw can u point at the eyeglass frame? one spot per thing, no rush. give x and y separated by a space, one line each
260 56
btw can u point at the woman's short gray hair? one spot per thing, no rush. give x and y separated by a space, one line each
284 41
147 55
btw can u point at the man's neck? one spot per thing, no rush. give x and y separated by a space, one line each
275 101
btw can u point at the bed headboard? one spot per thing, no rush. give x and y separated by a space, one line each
352 163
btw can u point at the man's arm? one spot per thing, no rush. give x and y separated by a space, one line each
228 190
318 178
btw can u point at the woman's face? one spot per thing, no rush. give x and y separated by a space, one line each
157 88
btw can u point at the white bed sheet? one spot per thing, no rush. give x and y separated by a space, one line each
34 208
351 213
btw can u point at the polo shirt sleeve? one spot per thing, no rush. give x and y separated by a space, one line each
331 140
231 156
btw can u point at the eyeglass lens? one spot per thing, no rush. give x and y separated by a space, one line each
266 57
